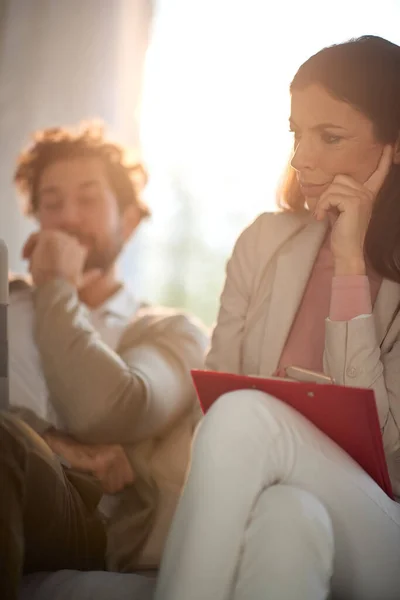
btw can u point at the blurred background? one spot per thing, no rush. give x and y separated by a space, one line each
199 86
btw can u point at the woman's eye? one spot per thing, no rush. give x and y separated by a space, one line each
330 139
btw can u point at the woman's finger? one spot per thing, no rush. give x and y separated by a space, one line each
337 201
339 187
348 182
375 182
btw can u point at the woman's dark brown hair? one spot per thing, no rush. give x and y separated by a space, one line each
364 72
126 178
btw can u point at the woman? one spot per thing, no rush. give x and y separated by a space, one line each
272 508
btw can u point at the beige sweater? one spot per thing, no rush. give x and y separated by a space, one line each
141 397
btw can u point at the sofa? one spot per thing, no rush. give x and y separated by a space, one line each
80 585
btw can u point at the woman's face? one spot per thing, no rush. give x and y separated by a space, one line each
331 138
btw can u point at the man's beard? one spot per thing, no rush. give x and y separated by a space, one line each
103 257
100 256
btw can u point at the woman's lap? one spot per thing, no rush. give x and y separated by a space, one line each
250 441
366 523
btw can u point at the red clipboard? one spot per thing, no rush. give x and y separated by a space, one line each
333 409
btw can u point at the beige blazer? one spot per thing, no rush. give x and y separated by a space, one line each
266 278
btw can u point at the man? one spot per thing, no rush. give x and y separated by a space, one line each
106 384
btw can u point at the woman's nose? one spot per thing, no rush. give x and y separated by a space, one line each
304 156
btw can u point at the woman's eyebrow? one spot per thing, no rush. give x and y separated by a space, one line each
319 127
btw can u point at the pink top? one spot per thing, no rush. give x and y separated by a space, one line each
341 298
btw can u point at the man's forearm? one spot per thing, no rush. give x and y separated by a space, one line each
86 379
102 397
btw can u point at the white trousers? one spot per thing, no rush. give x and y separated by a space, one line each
274 510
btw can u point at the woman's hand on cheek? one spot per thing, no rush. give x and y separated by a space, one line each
350 204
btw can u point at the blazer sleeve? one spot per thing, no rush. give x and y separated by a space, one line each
353 358
226 344
104 397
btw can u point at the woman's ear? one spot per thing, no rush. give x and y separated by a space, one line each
396 155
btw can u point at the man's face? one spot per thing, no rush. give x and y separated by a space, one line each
74 196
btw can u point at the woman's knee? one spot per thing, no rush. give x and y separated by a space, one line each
241 415
289 541
301 515
295 503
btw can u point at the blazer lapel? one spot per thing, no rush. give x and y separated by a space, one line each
293 269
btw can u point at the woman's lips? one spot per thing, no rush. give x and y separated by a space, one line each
312 190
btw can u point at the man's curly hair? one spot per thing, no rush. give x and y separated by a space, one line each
127 179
